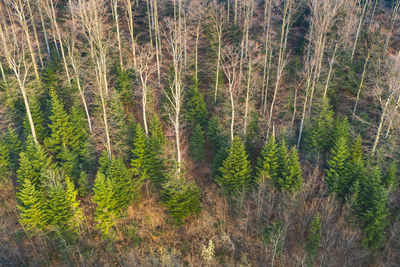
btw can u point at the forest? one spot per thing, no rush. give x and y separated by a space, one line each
199 132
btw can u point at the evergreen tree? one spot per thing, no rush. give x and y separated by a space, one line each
5 164
235 170
38 120
83 183
182 198
32 207
341 130
196 144
371 209
155 156
349 181
336 164
267 163
139 151
321 130
291 179
124 85
119 130
314 239
282 157
33 162
105 214
76 220
390 180
15 147
356 152
81 136
220 144
196 112
59 209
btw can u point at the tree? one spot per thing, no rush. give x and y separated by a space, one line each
15 147
33 162
38 121
390 180
336 164
32 207
182 198
356 150
139 153
5 164
105 214
321 131
196 111
291 179
196 144
267 162
235 172
371 209
313 239
155 155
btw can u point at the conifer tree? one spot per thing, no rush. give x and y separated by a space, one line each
291 179
139 151
314 239
59 209
15 147
282 156
219 142
350 180
156 168
267 163
32 207
119 130
196 112
105 214
371 209
336 164
321 130
182 198
83 183
196 144
5 164
38 120
124 85
81 136
235 172
356 152
341 130
33 162
390 180
76 219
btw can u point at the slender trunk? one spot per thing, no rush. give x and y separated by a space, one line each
149 22
44 32
378 133
361 83
359 28
116 20
232 111
247 98
392 22
196 52
330 71
218 63
35 33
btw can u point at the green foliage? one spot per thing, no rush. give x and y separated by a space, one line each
33 162
341 130
390 180
371 209
15 147
220 144
32 207
235 172
196 144
336 165
356 151
124 85
139 153
267 163
196 112
313 239
38 120
321 130
290 178
83 183
5 164
81 137
119 130
105 214
181 198
155 157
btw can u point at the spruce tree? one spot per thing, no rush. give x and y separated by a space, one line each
105 214
282 157
291 179
321 131
15 147
371 209
196 144
81 137
196 112
156 168
235 172
124 85
59 209
341 130
139 151
356 152
313 239
390 180
336 164
267 162
38 120
5 164
181 198
33 162
32 207
76 220
119 135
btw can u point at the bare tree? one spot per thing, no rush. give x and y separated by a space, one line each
114 11
91 15
361 11
387 88
230 66
130 19
267 55
145 69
